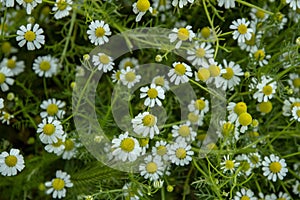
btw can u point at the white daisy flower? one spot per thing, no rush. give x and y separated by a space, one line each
8 3
70 149
260 57
103 62
184 132
144 144
46 66
180 153
200 106
241 31
161 149
296 113
294 4
50 130
230 79
152 168
255 159
244 119
144 124
62 8
210 72
57 147
59 184
116 76
200 53
229 165
161 81
5 78
289 104
258 15
98 32
283 196
195 119
126 148
235 109
141 7
129 62
264 107
7 48
131 192
129 77
294 82
274 168
33 38
162 5
245 194
29 5
182 34
244 164
265 89
1 103
207 35
180 73
181 3
153 95
228 131
6 117
53 108
226 3
11 163
15 66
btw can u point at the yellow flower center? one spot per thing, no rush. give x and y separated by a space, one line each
245 119
130 76
245 165
254 159
49 129
149 120
52 109
240 108
11 160
296 82
229 73
275 167
253 134
245 198
6 116
128 64
180 69
45 65
267 90
242 29
11 63
200 52
143 5
180 153
151 167
160 81
29 36
62 5
252 40
118 75
183 34
28 1
184 131
100 32
214 70
205 32
203 74
298 113
227 129
58 184
265 107
104 59
281 198
260 14
2 78
297 104
200 104
193 117
229 164
127 144
6 47
201 137
162 2
152 93
161 150
69 145
58 143
143 142
279 16
259 55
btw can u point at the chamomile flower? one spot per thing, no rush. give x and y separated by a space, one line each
200 106
103 62
181 3
15 66
53 108
7 48
57 147
258 15
116 76
98 32
296 113
62 8
180 153
195 119
294 82
294 4
141 7
229 165
59 184
34 38
231 78
266 89
264 107
245 194
289 104
129 62
29 5
255 40
144 124
161 149
200 53
45 66
1 103
255 159
5 78
259 56
8 3
228 131
180 73
241 31
6 117
215 70
11 163
153 94
235 109
244 165
70 148
181 34
50 130
244 120
283 196
206 33
226 3
131 192
161 81
144 144
274 168
184 132
152 168
129 77
126 148
162 5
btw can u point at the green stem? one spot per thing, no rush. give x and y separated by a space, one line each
254 6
